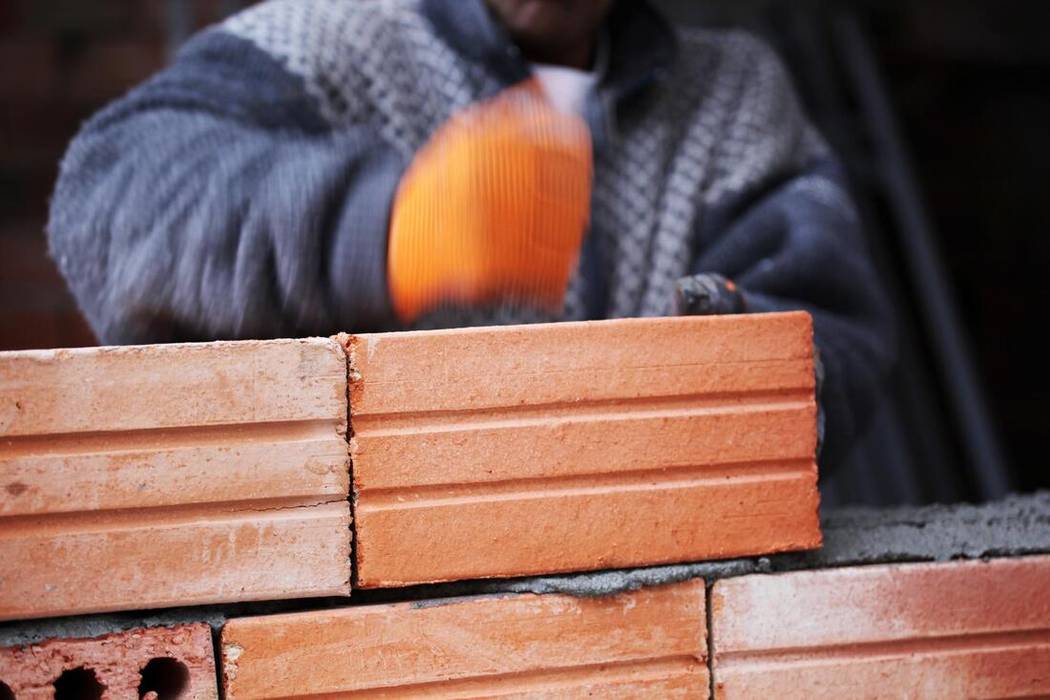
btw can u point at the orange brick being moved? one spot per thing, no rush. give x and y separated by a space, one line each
171 662
156 476
527 449
649 643
960 629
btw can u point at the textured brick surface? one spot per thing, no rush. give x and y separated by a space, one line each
517 450
172 475
952 630
175 662
647 643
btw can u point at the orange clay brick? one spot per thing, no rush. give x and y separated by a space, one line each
527 449
171 662
960 629
646 643
156 476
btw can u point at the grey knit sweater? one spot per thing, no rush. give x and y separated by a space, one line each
245 191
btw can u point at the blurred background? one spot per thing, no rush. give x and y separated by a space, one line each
940 110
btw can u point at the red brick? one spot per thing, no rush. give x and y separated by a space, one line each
107 69
35 135
647 643
25 262
31 69
154 476
119 662
960 629
52 328
59 18
36 310
529 449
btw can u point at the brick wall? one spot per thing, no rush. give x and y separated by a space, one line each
224 466
215 476
950 629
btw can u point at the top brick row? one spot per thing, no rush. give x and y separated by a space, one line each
156 476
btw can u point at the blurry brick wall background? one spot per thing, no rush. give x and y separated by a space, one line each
61 60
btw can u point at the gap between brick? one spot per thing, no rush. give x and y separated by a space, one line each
709 625
642 405
971 642
567 677
54 524
668 476
486 419
173 438
348 344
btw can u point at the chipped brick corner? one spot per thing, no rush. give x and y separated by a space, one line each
168 661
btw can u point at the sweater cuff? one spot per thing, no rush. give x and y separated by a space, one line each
358 260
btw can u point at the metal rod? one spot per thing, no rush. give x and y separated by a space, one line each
934 299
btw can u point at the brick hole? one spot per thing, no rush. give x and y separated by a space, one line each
78 684
5 692
163 678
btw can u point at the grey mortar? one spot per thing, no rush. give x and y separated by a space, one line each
35 631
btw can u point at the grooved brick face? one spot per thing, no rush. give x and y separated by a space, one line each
182 661
959 629
155 476
649 643
530 449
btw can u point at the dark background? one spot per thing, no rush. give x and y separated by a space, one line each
969 85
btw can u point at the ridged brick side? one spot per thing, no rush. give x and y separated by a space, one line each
648 643
958 629
172 475
531 449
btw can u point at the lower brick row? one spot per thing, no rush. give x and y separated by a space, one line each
955 629
155 663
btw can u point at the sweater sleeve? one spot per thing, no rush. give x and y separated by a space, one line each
214 201
793 240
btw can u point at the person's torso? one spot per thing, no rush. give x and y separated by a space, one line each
662 159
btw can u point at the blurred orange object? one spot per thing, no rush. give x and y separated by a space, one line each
494 207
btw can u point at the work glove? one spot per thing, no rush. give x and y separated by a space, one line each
710 293
707 294
493 208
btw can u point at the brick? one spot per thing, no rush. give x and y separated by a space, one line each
154 476
959 629
106 69
44 129
36 310
174 662
650 642
32 69
25 261
517 450
34 329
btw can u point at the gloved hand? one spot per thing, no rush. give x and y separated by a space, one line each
707 294
492 208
